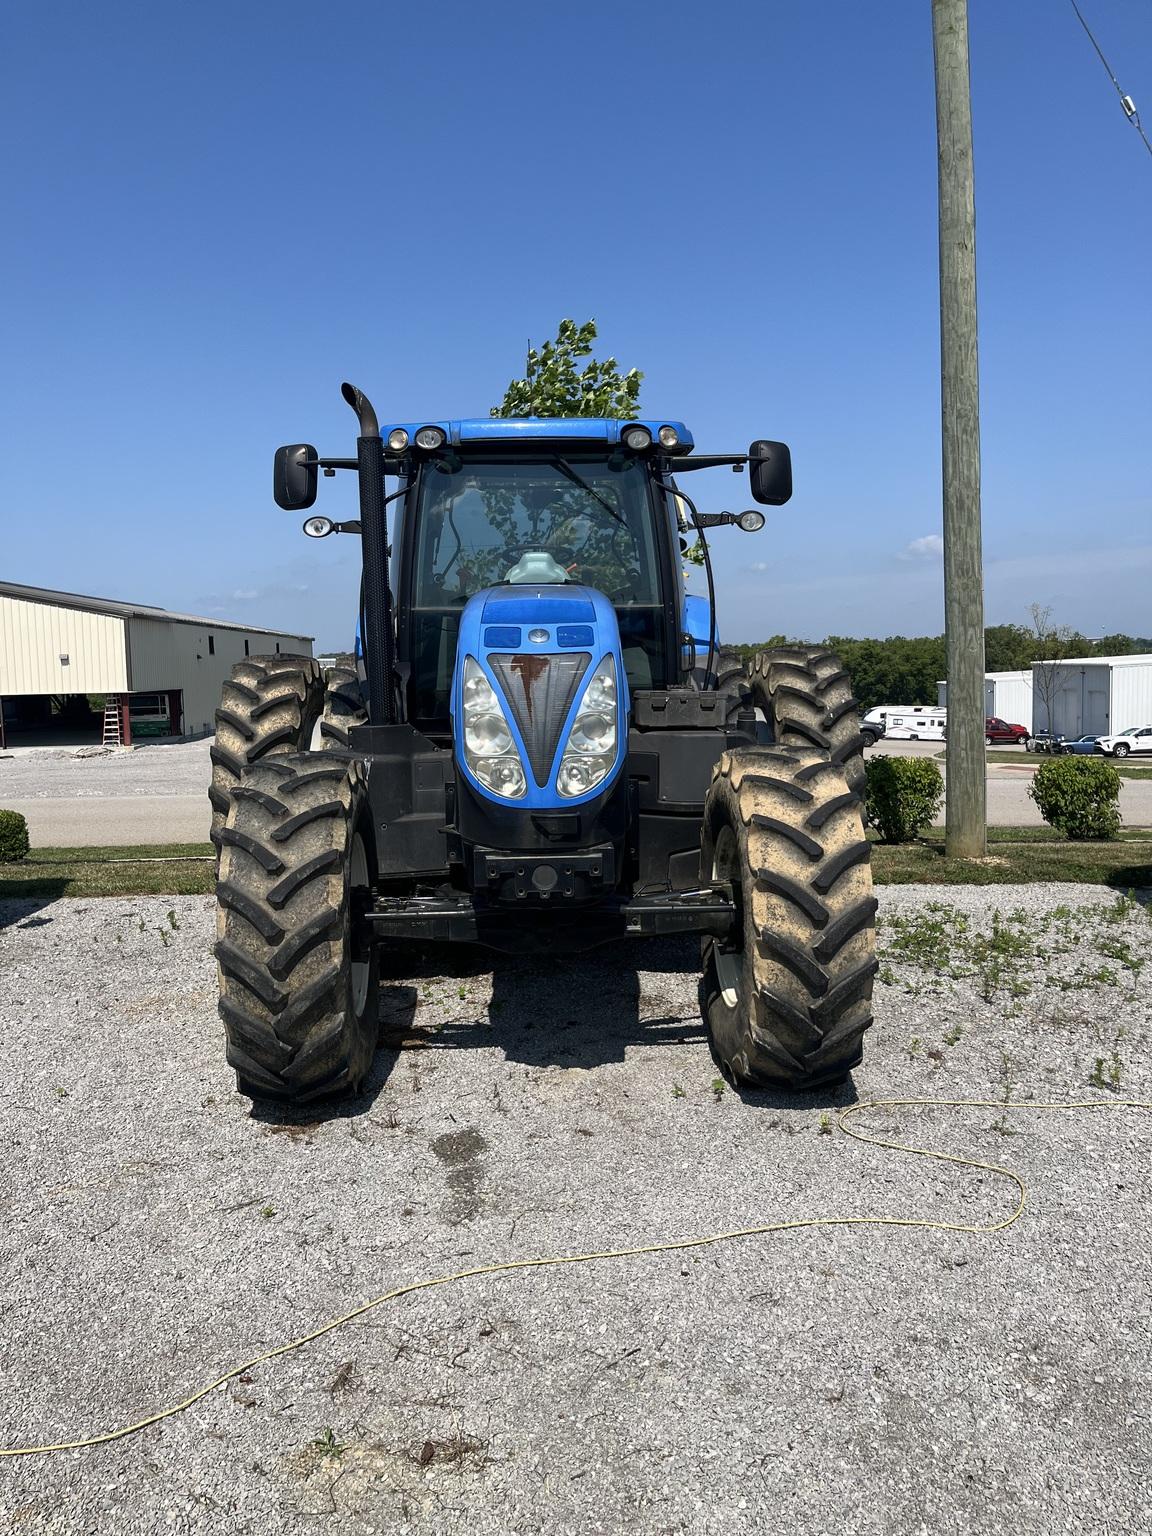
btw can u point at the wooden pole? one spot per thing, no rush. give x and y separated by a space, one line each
960 420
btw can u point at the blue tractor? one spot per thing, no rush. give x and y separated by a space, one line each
543 747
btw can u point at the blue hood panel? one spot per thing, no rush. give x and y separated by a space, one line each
577 625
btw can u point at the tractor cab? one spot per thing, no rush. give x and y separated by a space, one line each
536 509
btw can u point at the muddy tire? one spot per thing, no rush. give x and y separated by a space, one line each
733 684
788 997
806 697
298 978
268 707
344 707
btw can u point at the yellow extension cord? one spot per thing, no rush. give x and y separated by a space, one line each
510 1265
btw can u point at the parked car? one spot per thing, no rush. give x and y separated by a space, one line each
996 729
1043 741
1079 745
871 730
1138 738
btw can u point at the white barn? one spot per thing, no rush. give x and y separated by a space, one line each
1080 696
159 673
1007 696
1084 695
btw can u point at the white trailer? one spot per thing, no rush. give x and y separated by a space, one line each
1095 695
1007 696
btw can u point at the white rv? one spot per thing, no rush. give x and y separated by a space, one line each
909 722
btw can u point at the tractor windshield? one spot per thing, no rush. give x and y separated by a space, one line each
560 521
484 523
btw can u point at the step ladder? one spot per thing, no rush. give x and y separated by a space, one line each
111 736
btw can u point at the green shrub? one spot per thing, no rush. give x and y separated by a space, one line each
13 837
1078 795
902 795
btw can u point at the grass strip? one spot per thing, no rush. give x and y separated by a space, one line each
1017 856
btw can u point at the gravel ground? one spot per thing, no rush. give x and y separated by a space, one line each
182 768
869 1380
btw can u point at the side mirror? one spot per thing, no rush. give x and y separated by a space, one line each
770 472
293 479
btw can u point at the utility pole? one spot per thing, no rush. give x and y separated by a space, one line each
960 421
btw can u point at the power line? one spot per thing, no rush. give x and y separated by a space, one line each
1126 101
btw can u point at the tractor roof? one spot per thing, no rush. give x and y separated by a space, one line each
491 431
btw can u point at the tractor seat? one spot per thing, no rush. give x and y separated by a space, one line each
536 566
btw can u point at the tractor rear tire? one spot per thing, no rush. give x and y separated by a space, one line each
344 708
806 696
298 972
269 706
787 997
733 683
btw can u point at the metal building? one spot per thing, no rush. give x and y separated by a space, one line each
1094 695
1007 696
80 669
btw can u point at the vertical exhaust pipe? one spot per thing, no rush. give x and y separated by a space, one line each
379 635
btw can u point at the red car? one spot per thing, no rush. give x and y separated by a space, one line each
1001 730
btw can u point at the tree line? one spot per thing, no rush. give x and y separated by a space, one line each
905 669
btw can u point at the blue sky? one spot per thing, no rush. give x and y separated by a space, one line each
214 214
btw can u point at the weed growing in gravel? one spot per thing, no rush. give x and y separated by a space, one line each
327 1445
1107 1074
718 1087
173 920
1120 949
825 1126
678 1092
268 1211
953 1034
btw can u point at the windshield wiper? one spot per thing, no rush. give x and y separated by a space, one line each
570 474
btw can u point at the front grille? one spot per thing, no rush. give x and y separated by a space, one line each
540 690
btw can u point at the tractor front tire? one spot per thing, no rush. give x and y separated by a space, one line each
344 707
298 971
806 696
269 706
787 997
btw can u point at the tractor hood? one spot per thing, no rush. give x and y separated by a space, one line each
539 695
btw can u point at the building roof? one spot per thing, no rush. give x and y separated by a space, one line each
1143 659
133 610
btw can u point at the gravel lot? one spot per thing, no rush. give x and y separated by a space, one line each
863 1380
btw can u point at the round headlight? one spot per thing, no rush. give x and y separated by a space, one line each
669 437
638 439
478 693
431 438
593 733
751 522
504 775
577 777
487 735
601 694
318 527
397 440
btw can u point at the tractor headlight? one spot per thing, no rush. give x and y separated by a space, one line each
639 439
431 438
669 437
397 440
489 749
590 751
